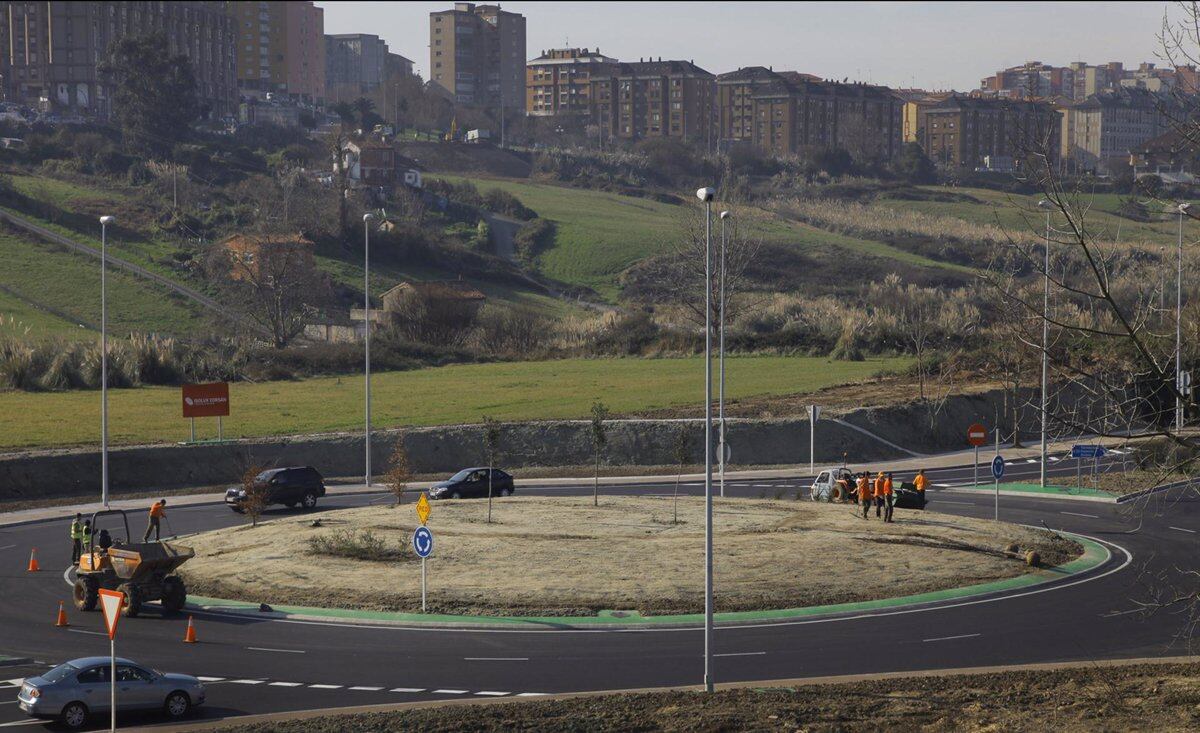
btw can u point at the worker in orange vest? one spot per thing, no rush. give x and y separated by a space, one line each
878 487
889 498
864 493
920 482
157 512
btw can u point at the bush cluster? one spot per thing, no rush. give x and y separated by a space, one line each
358 545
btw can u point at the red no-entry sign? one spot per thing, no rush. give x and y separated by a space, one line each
977 435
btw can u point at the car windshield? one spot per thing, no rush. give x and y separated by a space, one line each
264 476
462 475
60 672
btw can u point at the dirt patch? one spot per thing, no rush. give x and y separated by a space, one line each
1084 700
562 556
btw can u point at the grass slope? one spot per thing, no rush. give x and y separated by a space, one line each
23 319
435 396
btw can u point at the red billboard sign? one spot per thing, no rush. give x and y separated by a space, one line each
206 400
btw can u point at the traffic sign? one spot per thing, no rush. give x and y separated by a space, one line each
977 435
1087 451
423 542
111 603
998 467
423 509
1185 381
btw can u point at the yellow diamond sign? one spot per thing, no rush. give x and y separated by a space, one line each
423 509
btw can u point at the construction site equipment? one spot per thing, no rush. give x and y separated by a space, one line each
189 636
142 571
33 563
834 485
62 616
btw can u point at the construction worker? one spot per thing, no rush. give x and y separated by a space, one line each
889 498
85 535
921 483
878 491
76 539
157 512
864 493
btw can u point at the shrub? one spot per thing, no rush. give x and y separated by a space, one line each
357 545
502 202
532 239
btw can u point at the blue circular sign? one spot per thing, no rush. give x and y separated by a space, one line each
423 541
998 467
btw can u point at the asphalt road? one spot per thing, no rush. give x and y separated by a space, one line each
264 665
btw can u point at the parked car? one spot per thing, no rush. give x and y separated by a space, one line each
472 483
301 485
74 691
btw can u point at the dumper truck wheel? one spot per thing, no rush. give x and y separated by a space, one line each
174 593
87 593
836 494
133 599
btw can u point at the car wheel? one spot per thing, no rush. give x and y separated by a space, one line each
133 599
505 492
455 495
310 500
174 593
74 715
178 705
87 593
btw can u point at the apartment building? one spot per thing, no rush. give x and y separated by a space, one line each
50 51
280 48
1107 127
796 114
965 133
355 64
559 81
646 99
477 54
1031 80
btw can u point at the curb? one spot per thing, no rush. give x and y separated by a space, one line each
1029 495
222 723
1094 556
1155 490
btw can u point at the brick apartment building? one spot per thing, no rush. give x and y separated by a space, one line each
959 132
50 51
797 113
559 82
735 103
645 99
280 48
477 54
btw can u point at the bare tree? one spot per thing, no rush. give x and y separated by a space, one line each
599 433
491 448
255 500
399 470
684 271
680 451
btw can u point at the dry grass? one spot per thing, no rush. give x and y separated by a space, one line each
561 556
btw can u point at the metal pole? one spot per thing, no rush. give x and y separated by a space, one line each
112 678
192 422
104 221
220 428
1178 324
1045 343
721 357
976 467
367 345
708 494
997 478
812 440
422 585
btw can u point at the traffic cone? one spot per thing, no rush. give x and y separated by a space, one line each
33 564
62 616
190 636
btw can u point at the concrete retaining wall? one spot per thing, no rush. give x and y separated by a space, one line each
447 449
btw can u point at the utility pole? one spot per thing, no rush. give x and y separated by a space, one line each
706 195
367 219
1046 206
721 358
104 222
1183 209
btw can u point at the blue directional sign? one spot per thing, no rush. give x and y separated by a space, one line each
423 541
998 467
1087 451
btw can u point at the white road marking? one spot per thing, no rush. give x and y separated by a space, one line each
211 679
1120 613
83 631
942 486
532 694
963 503
17 682
449 692
740 654
1181 529
246 682
949 638
14 724
496 659
268 649
7 547
1053 459
1031 460
765 486
10 702
325 687
1077 514
365 689
408 689
286 684
489 693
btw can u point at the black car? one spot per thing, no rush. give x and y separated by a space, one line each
301 485
472 483
907 496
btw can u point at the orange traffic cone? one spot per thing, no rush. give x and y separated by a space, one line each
190 636
62 616
33 565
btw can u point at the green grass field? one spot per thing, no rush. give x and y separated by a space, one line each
23 320
60 192
435 396
49 276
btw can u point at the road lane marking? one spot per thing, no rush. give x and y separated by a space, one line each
963 503
950 638
942 486
325 687
490 693
740 654
496 659
22 722
268 649
83 631
532 694
7 547
1031 460
408 689
1077 514
211 679
246 682
286 684
365 689
16 682
449 692
1120 613
1181 529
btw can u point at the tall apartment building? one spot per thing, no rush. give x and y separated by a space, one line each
280 47
396 65
559 82
799 113
477 54
1031 80
50 51
1107 127
355 63
960 132
655 99
735 103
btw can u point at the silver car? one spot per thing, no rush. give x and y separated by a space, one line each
74 690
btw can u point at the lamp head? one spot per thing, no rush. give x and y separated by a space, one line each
368 217
725 214
107 219
1183 208
706 194
1045 205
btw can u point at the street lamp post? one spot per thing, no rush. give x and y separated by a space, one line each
721 359
1046 206
367 219
706 195
104 222
1183 209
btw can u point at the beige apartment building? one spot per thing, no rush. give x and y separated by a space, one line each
647 99
964 133
280 48
1106 128
796 114
559 82
477 54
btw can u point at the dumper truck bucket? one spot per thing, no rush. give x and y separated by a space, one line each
136 562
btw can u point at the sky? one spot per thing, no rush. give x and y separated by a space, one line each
932 45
